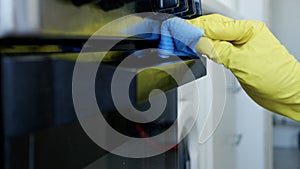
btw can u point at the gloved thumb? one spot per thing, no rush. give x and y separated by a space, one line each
218 51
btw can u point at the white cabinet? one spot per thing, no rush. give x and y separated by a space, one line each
212 141
224 138
242 138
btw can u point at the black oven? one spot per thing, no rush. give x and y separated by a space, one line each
39 47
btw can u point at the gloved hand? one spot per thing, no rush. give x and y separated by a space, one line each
264 68
181 40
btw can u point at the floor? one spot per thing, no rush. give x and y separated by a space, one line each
285 158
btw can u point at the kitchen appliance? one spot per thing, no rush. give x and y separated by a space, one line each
41 129
40 39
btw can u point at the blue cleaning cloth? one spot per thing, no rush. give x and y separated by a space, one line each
179 38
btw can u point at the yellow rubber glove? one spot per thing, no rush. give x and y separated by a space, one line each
264 68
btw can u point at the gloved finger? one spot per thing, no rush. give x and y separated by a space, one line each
200 21
216 50
238 32
220 28
211 17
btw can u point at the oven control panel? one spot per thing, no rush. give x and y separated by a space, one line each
186 9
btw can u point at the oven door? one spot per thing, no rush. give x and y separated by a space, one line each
42 128
41 42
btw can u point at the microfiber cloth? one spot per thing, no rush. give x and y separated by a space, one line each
179 38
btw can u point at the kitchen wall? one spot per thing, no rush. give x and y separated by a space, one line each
255 9
285 25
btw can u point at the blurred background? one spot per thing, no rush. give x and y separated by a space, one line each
39 43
